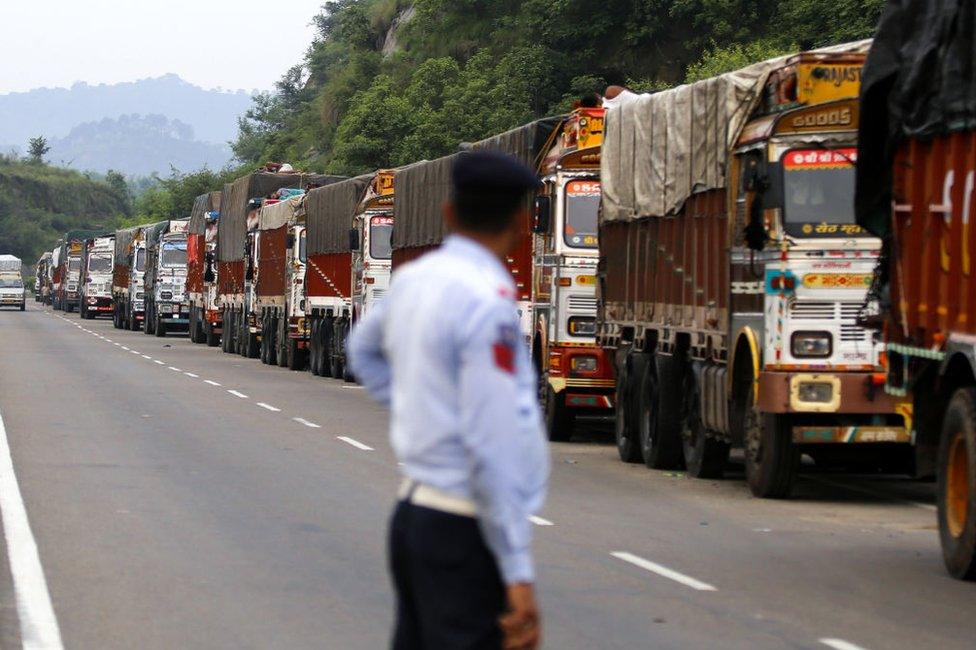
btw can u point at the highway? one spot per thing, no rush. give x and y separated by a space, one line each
184 498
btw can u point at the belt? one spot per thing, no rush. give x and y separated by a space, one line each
425 496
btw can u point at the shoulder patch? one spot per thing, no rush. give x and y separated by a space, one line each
504 348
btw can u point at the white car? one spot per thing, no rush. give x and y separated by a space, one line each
12 292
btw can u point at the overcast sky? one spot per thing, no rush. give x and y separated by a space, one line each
233 44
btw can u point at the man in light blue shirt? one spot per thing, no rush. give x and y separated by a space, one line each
444 351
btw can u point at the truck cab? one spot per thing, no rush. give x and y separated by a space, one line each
212 324
137 282
167 304
576 375
12 290
71 290
96 277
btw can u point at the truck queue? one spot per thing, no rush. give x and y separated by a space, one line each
694 269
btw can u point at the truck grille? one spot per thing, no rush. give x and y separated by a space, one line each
844 312
582 303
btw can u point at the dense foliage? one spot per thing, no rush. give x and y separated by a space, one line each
388 82
39 203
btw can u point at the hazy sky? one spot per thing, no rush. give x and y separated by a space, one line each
233 44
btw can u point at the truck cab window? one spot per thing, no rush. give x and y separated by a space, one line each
302 248
818 190
173 254
100 264
380 232
140 259
74 264
582 209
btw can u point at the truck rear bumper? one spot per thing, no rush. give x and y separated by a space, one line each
871 434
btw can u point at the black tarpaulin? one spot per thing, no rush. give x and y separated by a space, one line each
919 82
329 212
204 204
420 192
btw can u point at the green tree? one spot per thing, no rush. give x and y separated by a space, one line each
733 57
37 149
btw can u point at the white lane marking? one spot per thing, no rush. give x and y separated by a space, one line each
311 425
539 521
158 362
211 382
268 407
663 571
134 351
116 344
125 348
190 374
146 356
237 393
38 624
352 387
109 341
355 443
175 369
840 644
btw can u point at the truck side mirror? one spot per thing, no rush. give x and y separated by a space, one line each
542 220
354 240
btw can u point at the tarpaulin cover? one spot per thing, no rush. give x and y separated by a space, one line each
10 263
660 149
123 240
204 204
279 214
232 225
420 192
527 142
329 212
919 82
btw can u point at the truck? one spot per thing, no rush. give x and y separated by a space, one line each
68 273
42 286
12 291
240 201
96 277
915 187
166 304
329 215
128 269
201 274
732 276
576 374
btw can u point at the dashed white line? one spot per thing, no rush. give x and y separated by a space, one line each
134 351
355 443
190 374
840 644
38 624
146 356
175 369
268 407
540 521
237 393
310 425
352 387
663 571
211 382
116 344
125 348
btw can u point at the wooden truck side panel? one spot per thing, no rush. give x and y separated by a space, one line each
230 277
271 263
329 275
196 258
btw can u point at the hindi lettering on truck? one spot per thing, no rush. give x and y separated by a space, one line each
915 190
166 306
96 277
732 276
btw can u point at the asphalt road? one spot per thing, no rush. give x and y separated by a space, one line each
183 498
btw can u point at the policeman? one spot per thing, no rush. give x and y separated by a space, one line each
444 351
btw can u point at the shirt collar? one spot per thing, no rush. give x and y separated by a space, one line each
467 247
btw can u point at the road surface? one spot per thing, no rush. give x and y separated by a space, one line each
179 497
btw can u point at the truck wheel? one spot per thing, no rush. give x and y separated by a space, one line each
23 306
251 343
226 336
264 341
704 456
660 415
213 340
326 332
957 485
148 327
282 341
771 457
272 342
313 348
559 419
296 356
160 329
626 431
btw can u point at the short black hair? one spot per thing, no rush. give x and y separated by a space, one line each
489 210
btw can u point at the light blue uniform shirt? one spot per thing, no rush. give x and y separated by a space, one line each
444 350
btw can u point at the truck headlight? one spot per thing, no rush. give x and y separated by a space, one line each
582 326
165 295
812 344
583 364
815 392
140 295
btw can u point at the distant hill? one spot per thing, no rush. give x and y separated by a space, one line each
54 112
136 145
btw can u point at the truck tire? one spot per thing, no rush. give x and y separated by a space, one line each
251 345
272 342
148 324
326 332
264 353
226 336
626 431
660 415
771 457
282 341
23 306
705 456
559 419
213 339
160 329
313 348
957 485
296 356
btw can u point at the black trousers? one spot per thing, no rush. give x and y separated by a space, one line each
449 591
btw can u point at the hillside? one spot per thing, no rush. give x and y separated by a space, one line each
38 203
54 112
140 145
391 81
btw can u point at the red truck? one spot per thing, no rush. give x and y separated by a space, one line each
915 186
205 316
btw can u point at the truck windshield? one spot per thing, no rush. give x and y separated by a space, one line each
818 196
173 253
12 283
100 263
380 231
302 248
140 259
582 206
74 264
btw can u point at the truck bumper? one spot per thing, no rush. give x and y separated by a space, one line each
590 389
844 407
